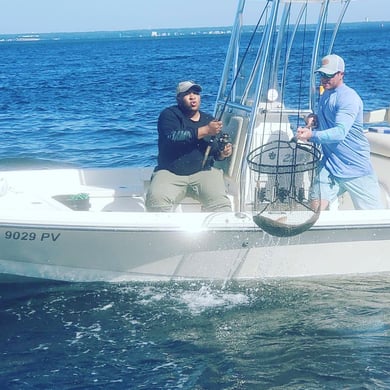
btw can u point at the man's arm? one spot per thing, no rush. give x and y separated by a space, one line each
347 111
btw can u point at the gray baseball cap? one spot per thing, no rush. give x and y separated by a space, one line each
185 86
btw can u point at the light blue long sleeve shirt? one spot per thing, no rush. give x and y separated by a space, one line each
340 132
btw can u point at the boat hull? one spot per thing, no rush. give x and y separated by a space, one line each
229 248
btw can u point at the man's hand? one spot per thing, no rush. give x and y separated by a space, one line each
211 129
311 121
227 151
214 127
304 133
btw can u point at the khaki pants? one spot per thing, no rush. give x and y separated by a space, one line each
167 190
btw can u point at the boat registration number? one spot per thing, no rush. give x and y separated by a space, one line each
31 236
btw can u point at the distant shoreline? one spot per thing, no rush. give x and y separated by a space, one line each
156 33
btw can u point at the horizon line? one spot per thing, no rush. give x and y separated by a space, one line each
151 29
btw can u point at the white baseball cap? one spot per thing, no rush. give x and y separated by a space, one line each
331 64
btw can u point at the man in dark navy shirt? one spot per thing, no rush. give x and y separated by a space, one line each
186 156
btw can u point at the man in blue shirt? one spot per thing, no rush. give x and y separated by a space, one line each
346 164
186 156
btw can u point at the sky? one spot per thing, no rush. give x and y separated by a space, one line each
43 16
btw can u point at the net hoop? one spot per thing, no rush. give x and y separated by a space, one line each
270 158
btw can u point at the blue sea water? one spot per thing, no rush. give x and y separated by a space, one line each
94 103
317 334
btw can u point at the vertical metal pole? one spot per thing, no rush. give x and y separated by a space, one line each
314 57
263 58
336 29
319 31
231 57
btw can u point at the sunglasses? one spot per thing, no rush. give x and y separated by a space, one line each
327 75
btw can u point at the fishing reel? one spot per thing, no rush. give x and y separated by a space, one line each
222 140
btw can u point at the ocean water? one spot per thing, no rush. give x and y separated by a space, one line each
95 103
286 334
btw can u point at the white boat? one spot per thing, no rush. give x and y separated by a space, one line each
91 225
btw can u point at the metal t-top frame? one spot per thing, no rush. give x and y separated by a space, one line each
256 75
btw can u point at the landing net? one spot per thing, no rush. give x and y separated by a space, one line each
285 171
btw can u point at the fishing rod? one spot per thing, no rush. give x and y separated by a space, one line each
224 139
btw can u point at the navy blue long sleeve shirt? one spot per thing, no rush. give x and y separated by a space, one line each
180 150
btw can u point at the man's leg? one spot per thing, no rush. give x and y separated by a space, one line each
323 191
166 191
209 188
364 192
